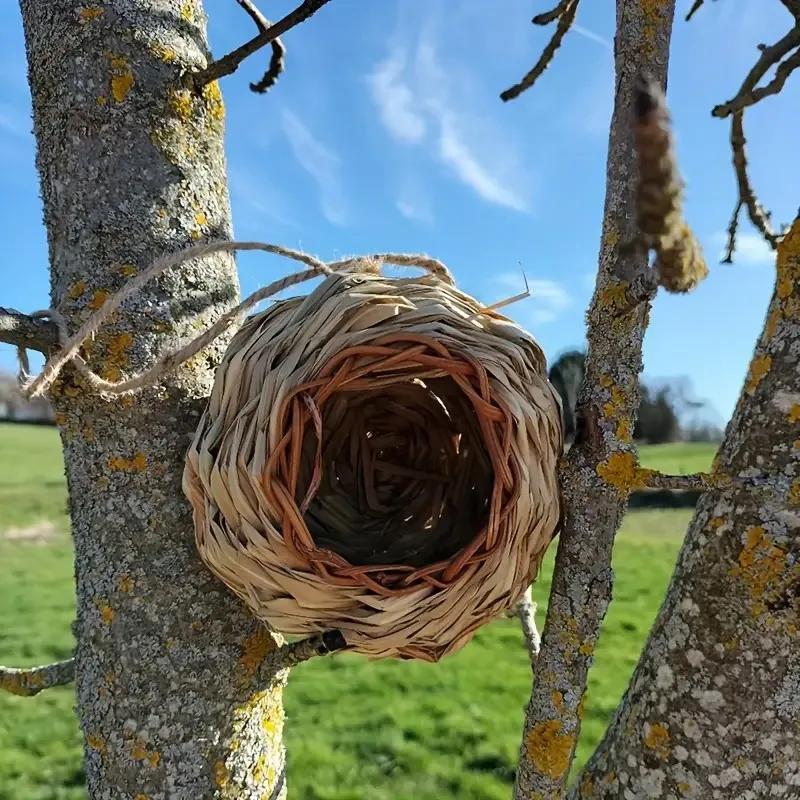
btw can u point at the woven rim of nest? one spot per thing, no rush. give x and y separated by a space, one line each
378 457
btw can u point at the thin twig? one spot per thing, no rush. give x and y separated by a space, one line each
525 609
294 653
228 64
566 16
748 95
695 7
740 102
27 332
733 227
31 681
552 15
276 63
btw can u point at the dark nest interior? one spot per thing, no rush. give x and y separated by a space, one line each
389 462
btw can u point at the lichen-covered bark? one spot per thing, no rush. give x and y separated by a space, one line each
174 694
713 709
599 470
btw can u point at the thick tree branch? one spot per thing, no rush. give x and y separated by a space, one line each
276 63
27 332
31 681
565 13
228 64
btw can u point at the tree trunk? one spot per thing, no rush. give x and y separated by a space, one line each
712 710
175 695
593 479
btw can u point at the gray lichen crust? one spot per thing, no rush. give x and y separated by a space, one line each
175 694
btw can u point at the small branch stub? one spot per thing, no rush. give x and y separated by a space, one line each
30 332
31 681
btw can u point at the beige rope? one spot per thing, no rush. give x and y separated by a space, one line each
70 346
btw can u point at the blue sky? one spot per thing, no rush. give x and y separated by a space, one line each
386 133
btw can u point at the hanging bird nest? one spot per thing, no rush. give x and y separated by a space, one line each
379 458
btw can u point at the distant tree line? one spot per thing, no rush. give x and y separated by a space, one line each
14 407
659 418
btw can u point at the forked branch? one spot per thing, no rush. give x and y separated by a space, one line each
31 681
785 53
276 63
228 64
565 13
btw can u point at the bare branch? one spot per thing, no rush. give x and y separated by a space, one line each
294 653
749 93
565 12
552 15
228 64
695 8
31 681
699 481
27 332
276 63
742 101
525 609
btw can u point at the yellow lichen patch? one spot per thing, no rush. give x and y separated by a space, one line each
187 12
796 444
213 97
616 405
97 743
759 367
684 788
165 54
101 100
615 295
794 493
794 414
581 706
653 16
87 14
256 648
140 797
772 322
624 430
788 262
121 77
221 774
180 101
140 753
586 649
549 748
126 583
612 235
98 298
260 768
60 419
656 738
117 348
621 471
761 564
106 612
136 464
200 218
76 290
558 701
587 787
196 625
128 270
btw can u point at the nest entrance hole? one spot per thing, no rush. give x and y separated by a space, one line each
390 460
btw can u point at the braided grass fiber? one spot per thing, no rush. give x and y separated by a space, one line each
378 457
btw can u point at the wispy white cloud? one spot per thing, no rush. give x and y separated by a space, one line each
14 122
416 103
413 200
262 199
751 249
548 299
592 36
321 163
395 100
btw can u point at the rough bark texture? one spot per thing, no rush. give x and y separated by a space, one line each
598 471
176 693
712 710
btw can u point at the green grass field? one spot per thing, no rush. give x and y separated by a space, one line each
355 731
